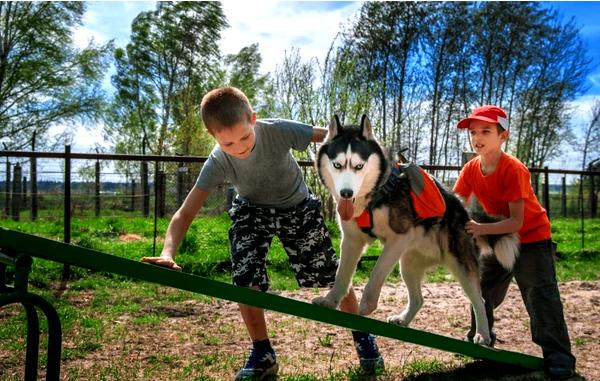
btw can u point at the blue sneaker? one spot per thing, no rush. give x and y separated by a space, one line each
261 365
370 359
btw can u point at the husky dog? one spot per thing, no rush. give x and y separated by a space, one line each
355 170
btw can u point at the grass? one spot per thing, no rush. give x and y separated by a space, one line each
92 307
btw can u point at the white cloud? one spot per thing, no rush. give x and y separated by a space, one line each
280 26
83 36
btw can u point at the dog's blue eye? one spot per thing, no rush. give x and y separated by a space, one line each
337 166
359 166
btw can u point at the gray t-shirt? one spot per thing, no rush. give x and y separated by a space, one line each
269 177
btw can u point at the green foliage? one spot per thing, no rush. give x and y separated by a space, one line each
45 79
169 64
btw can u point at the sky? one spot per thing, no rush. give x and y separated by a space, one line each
309 26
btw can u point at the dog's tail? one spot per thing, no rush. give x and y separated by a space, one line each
504 247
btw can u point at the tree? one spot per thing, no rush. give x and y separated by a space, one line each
591 141
174 51
132 114
243 73
44 79
383 39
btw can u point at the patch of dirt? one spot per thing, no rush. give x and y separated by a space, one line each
128 237
199 340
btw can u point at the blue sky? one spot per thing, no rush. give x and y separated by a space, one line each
309 26
586 15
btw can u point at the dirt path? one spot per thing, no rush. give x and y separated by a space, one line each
201 341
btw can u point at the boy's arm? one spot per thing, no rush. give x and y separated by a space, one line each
510 225
181 221
319 134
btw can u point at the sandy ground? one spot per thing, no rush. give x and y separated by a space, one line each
195 330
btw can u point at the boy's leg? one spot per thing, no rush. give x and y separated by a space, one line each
536 277
254 319
250 238
495 280
306 240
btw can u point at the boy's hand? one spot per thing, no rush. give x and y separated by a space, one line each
475 228
163 261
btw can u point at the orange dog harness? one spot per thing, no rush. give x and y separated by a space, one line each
426 198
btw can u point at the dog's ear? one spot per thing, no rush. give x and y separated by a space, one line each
366 128
334 128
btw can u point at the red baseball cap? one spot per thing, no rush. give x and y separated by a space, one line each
492 114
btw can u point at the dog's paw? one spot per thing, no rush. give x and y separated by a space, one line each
480 340
398 320
366 307
324 302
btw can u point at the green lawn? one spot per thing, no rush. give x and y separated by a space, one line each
203 252
205 249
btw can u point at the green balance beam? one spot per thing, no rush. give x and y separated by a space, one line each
95 260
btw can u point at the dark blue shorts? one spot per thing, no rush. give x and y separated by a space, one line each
300 229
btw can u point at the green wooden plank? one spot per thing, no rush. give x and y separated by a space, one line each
95 260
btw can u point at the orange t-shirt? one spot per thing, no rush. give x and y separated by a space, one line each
509 182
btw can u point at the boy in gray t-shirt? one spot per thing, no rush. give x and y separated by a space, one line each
273 199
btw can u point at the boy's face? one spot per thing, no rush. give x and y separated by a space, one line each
237 140
485 137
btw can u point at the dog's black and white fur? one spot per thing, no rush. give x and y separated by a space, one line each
354 168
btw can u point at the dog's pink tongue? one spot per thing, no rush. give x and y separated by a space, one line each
345 208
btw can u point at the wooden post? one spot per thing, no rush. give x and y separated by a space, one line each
563 197
66 274
16 193
181 183
473 204
34 190
145 190
24 193
7 198
33 175
132 195
229 197
97 189
593 198
546 191
535 178
162 192
67 197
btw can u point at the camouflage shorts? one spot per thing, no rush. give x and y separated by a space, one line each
302 233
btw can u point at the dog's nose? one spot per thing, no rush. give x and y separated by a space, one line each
346 193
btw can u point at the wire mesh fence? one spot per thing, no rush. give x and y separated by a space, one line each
43 186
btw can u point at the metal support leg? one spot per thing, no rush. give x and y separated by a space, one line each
31 302
33 342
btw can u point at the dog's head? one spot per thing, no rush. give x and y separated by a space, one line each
351 164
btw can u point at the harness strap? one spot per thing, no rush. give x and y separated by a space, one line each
426 198
365 221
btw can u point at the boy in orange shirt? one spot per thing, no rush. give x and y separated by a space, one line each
502 186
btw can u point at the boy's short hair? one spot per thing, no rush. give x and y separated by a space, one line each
489 113
224 107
